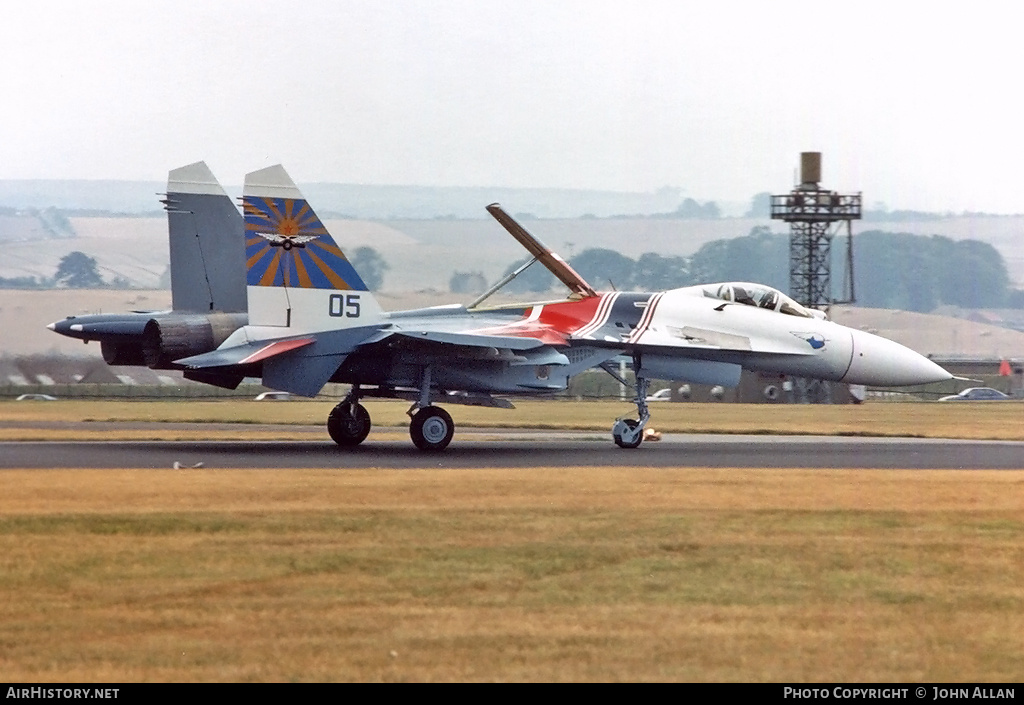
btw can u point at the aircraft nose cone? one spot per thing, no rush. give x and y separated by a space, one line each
879 361
62 326
67 326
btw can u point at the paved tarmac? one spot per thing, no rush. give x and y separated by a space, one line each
520 449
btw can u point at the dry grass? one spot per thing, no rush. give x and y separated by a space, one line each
622 574
992 420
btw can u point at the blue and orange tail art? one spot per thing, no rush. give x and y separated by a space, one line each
288 249
286 244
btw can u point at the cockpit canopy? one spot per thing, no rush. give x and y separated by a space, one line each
761 296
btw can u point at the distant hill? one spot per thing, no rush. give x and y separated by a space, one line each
364 201
448 203
82 195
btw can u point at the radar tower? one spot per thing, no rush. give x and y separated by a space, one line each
815 216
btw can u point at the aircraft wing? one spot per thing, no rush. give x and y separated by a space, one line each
511 329
303 364
477 339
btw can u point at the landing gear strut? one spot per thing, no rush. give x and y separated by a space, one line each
431 427
349 422
628 433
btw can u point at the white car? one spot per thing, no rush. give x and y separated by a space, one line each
36 397
273 396
977 394
661 395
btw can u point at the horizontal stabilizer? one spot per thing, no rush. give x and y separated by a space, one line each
246 354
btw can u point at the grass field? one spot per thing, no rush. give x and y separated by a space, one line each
545 574
565 574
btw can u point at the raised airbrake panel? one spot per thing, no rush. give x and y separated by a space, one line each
544 254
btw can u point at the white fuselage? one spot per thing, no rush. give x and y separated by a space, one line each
770 341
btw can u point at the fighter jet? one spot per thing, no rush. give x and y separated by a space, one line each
312 320
208 297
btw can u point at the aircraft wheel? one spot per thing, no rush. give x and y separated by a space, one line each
432 428
348 429
631 424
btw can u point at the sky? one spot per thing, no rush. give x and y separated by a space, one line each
916 105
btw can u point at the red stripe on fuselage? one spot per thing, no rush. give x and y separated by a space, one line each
552 324
568 317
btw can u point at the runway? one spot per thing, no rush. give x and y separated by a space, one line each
496 449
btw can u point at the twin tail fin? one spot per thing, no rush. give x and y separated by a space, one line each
297 277
206 248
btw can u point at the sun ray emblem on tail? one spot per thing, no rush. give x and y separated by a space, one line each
287 245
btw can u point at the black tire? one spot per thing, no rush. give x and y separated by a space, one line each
632 423
432 429
347 429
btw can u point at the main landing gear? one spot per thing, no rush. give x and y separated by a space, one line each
349 422
628 433
431 427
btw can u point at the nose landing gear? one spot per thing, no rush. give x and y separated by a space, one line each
628 433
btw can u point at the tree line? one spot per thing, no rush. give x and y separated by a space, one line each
891 270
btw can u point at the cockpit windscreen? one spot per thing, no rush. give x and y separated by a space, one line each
760 296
